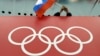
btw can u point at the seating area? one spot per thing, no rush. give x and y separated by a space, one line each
25 8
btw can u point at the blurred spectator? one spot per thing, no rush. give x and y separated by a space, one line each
63 9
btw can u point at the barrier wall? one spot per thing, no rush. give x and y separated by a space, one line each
49 36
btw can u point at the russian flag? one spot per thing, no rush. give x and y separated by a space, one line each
41 6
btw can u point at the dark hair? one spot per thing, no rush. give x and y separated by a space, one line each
69 14
57 14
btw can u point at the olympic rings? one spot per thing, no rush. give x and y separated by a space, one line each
49 42
35 54
70 53
15 43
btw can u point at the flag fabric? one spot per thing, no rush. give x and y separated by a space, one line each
41 6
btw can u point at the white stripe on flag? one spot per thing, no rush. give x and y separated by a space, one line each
39 2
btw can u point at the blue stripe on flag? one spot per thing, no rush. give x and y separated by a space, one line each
37 7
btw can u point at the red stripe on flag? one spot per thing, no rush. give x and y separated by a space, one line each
42 10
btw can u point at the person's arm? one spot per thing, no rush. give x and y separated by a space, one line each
67 12
58 13
62 9
65 9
